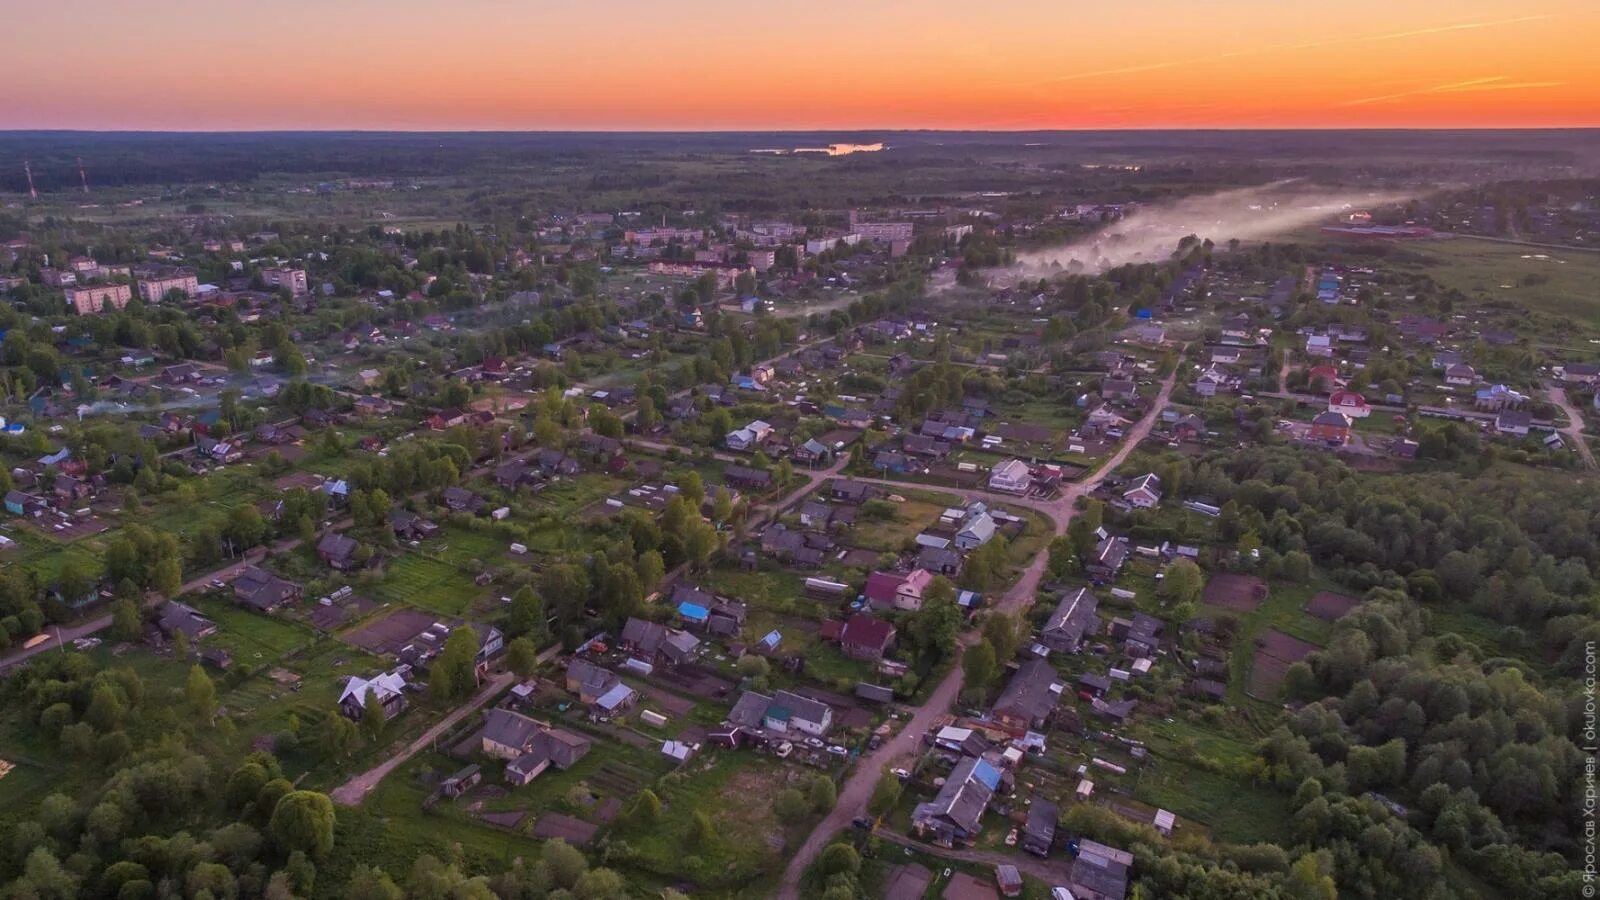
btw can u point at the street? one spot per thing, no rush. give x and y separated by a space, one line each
857 789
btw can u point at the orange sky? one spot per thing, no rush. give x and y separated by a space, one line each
826 64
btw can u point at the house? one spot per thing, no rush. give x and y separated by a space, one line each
866 637
849 491
940 560
657 644
459 499
1012 477
749 437
1332 427
599 446
528 745
1039 834
181 618
1116 387
589 681
1581 373
1109 555
895 590
891 461
747 477
446 419
554 462
1461 375
1029 697
408 526
337 550
1074 618
977 529
1140 635
1513 421
784 712
388 690
263 591
1350 403
69 489
811 452
21 503
1322 378
1100 872
1319 345
955 815
462 781
1144 492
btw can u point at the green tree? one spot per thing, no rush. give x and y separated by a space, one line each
522 657
885 794
526 616
125 622
201 694
166 578
701 831
455 672
822 793
303 820
340 737
373 716
646 809
1182 582
790 805
566 863
839 859
979 666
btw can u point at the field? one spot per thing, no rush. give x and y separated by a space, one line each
428 583
1236 592
1275 653
1329 606
1556 282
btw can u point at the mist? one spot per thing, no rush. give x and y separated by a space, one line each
1151 233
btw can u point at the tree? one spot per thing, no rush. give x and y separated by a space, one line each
201 693
1006 633
565 862
125 622
646 809
935 627
979 665
368 883
522 657
340 738
840 859
105 710
526 616
599 884
885 794
823 794
790 805
1182 582
166 578
373 716
455 672
701 831
303 820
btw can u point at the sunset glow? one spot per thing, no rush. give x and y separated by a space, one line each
716 64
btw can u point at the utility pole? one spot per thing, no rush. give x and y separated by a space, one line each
27 169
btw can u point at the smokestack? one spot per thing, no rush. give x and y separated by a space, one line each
83 178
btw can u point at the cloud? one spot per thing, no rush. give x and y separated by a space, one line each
1493 83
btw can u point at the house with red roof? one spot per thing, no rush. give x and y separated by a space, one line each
1323 378
1350 403
1332 427
897 590
866 637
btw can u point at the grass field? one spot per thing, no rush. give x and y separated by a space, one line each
1557 282
428 584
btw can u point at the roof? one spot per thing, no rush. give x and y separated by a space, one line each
1074 616
617 696
800 707
862 630
383 686
964 796
1030 692
511 729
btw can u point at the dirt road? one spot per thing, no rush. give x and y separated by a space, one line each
352 792
1573 433
858 787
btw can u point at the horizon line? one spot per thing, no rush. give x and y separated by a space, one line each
1310 129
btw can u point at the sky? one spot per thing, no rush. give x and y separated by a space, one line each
195 65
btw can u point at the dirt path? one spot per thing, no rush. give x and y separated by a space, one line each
857 789
1573 433
352 792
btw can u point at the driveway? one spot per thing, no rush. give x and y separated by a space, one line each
1573 433
352 792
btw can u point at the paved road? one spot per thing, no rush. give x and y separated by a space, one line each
1573 433
1052 872
857 789
352 792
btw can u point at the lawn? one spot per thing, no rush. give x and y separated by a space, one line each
1557 282
429 584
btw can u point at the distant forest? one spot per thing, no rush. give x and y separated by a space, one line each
135 158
